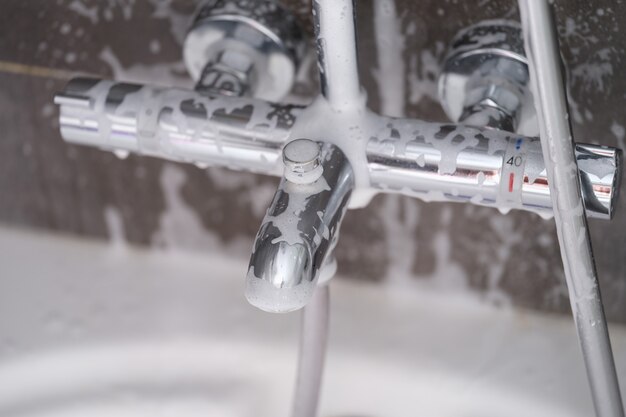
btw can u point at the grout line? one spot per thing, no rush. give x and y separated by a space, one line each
37 71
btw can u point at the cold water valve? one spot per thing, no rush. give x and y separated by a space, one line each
245 47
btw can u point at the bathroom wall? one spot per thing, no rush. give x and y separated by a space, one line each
510 260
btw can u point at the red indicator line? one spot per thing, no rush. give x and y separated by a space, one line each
511 177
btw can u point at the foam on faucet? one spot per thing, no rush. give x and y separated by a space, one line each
268 297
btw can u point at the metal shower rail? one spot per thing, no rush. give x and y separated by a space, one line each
542 49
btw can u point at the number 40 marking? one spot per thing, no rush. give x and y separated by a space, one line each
515 160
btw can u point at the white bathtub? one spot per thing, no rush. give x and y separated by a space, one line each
87 329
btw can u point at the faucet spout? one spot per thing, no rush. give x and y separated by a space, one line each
300 228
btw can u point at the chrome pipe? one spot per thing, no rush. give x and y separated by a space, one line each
335 37
180 125
312 354
432 161
439 162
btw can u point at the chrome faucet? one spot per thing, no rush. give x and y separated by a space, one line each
301 226
490 165
498 164
245 55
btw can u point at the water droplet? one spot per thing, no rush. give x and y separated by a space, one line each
121 153
504 210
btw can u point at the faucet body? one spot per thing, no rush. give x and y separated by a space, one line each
431 161
244 56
